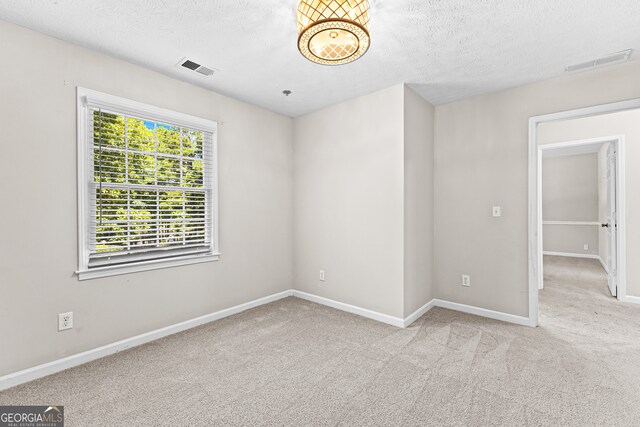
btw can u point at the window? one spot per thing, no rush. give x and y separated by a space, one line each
147 187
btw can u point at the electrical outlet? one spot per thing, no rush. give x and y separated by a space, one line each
466 280
65 321
586 247
322 275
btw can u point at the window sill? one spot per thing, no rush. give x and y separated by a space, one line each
116 270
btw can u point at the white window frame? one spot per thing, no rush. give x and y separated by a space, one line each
87 98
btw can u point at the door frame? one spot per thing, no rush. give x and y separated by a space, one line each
535 199
613 207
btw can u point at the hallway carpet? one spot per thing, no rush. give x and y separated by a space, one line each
296 363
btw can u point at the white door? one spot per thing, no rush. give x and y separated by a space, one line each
612 223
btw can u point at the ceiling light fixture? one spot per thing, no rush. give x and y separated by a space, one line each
333 32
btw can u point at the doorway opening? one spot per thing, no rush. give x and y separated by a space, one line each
610 147
580 212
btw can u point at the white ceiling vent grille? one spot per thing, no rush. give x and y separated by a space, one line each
610 59
195 66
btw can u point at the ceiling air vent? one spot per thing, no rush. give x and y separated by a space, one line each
610 59
198 68
613 58
580 67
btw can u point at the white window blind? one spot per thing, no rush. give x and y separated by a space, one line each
149 193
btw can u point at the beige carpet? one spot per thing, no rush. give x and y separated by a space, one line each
297 363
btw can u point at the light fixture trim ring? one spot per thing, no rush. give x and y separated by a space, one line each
307 34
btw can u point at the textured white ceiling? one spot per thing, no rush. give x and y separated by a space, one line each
445 49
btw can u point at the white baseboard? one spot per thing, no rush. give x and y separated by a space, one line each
497 315
45 369
604 265
364 312
380 317
55 366
631 299
418 313
571 255
403 323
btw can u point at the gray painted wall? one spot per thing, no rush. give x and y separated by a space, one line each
570 193
38 253
364 202
349 202
418 202
481 161
570 239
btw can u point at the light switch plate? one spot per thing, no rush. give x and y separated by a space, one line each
497 212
